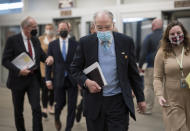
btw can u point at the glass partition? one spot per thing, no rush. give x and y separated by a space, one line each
137 28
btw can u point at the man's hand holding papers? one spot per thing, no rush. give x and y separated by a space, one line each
24 72
92 86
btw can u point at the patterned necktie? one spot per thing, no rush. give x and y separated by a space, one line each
106 45
29 47
64 49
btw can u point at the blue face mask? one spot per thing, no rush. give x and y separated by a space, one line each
104 35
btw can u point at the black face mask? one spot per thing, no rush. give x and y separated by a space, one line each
34 32
63 33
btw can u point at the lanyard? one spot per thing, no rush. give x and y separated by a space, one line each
180 63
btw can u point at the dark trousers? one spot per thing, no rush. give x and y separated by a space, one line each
47 95
114 116
60 99
33 92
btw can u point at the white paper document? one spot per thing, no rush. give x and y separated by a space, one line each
23 61
94 72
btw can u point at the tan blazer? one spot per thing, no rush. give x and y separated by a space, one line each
44 45
167 84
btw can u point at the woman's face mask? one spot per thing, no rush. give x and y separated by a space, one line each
176 35
49 32
176 39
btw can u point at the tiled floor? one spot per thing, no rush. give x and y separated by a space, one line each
144 123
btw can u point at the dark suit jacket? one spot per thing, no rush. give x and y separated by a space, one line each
60 65
128 75
14 47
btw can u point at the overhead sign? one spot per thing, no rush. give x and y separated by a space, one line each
182 3
65 13
65 4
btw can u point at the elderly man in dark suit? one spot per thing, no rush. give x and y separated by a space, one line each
62 50
107 108
22 81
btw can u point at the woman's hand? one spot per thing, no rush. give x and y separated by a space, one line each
162 101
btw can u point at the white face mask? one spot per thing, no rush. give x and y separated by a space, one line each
49 32
176 40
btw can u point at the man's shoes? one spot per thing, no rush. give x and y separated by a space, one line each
44 115
58 125
78 114
147 113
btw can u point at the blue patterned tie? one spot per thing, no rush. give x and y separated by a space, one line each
64 50
64 54
106 45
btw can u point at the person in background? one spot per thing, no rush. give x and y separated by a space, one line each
47 94
148 52
70 35
26 80
171 66
107 108
92 28
62 50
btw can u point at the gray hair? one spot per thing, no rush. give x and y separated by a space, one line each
26 22
106 12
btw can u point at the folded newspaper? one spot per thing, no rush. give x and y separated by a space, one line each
23 61
94 73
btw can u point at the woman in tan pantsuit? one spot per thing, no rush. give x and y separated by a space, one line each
169 84
47 95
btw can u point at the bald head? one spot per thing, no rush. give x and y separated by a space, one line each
157 24
103 21
103 14
28 25
28 21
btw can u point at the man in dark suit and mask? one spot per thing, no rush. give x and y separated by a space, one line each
107 108
62 50
22 81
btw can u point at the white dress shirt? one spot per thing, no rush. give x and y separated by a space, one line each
25 40
66 44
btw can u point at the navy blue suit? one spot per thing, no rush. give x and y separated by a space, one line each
62 83
128 75
20 85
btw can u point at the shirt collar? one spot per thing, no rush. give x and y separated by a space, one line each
61 39
23 35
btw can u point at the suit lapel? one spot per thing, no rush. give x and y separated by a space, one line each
118 48
22 43
95 45
34 46
69 50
